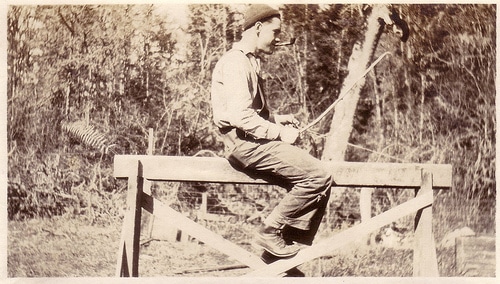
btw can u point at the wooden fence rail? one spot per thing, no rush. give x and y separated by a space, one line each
424 178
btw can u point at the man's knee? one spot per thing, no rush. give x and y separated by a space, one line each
324 180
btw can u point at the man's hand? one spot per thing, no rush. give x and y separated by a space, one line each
289 134
286 119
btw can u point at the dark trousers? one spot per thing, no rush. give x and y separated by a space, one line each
306 179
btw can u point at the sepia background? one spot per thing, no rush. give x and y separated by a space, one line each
86 82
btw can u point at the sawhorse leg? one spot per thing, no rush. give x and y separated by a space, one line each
424 251
128 254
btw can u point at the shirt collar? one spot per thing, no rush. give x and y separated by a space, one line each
244 48
254 59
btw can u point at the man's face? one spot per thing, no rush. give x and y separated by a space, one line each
268 36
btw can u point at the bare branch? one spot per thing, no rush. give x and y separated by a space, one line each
65 23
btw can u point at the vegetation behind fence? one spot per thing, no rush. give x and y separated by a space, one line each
87 82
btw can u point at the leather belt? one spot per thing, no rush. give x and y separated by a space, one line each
232 131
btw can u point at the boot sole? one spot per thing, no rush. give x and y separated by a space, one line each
258 244
293 272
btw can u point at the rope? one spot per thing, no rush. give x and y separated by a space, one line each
361 147
344 93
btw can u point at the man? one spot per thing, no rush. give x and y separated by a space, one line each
260 143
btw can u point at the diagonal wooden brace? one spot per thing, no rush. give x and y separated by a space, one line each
201 233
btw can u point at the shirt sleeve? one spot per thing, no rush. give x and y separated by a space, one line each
235 89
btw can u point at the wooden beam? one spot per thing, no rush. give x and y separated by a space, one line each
333 243
201 233
219 170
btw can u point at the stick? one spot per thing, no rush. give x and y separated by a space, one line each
343 94
208 269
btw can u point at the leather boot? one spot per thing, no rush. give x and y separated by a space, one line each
271 240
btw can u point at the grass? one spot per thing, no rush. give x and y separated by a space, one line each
61 247
451 213
70 246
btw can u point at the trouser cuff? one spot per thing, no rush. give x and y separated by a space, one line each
276 221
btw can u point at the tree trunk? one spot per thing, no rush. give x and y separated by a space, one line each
341 125
342 121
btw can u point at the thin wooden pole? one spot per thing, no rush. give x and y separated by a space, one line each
365 207
365 203
204 204
151 141
424 251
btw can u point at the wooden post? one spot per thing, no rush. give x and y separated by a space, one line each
151 141
365 208
204 204
424 251
128 254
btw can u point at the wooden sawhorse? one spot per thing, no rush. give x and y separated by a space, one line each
424 178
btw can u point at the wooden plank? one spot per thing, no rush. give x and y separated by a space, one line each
201 233
424 250
343 238
178 168
348 174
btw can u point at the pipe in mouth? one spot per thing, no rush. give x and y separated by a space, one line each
292 41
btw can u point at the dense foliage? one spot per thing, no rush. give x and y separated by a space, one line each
123 69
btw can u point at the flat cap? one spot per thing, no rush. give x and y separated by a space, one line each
258 12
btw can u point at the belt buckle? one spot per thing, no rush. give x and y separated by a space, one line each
250 137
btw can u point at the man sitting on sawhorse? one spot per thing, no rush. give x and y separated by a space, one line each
261 143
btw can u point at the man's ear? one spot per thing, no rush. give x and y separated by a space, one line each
258 27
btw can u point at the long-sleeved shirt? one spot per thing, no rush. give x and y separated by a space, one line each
237 101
